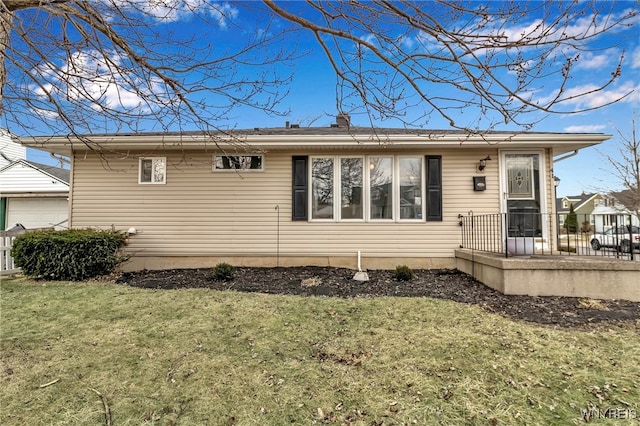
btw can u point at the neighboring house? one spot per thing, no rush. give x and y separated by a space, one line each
31 194
583 206
305 196
612 213
630 198
602 211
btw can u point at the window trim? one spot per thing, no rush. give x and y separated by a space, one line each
232 170
153 160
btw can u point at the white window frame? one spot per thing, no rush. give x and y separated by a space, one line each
334 175
397 188
154 161
337 179
366 190
241 169
394 179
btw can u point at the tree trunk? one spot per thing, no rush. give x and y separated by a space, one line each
5 28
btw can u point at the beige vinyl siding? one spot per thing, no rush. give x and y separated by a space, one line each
202 213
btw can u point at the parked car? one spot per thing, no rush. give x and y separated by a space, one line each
621 238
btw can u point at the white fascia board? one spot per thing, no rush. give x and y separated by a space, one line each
559 142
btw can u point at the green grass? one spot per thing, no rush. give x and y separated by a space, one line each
202 357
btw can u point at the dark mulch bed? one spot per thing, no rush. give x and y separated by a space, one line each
440 284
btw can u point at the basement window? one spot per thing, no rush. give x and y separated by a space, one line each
153 170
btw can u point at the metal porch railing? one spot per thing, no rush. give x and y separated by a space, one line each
522 234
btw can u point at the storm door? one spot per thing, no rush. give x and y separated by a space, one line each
523 193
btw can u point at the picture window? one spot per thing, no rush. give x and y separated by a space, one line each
374 188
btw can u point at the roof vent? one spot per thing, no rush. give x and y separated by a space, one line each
343 119
295 126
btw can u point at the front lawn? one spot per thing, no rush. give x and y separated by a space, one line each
101 353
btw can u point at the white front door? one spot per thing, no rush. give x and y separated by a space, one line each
523 190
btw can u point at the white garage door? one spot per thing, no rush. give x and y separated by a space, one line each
37 212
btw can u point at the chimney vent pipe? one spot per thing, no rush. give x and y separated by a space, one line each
343 119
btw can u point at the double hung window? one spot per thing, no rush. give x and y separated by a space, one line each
336 188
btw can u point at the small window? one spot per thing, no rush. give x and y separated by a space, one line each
238 162
565 204
153 170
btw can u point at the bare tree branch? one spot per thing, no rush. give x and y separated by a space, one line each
625 167
86 66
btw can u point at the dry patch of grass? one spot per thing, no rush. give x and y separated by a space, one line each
93 353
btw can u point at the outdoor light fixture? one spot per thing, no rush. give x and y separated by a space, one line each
483 163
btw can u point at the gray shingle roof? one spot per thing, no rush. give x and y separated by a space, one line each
57 172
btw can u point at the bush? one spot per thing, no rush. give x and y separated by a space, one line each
74 254
403 273
571 222
222 272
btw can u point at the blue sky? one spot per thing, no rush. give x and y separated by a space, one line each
312 91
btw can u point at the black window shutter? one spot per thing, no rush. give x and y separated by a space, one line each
300 188
434 187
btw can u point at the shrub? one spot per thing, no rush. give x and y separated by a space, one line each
222 272
74 254
403 273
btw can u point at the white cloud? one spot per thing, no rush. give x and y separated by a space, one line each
589 61
369 38
585 26
407 42
593 128
587 96
173 10
102 80
635 58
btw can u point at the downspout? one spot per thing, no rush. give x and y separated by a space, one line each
60 159
573 154
3 213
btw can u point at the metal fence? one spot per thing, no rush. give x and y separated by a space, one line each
520 234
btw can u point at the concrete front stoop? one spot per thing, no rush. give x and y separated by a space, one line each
554 275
